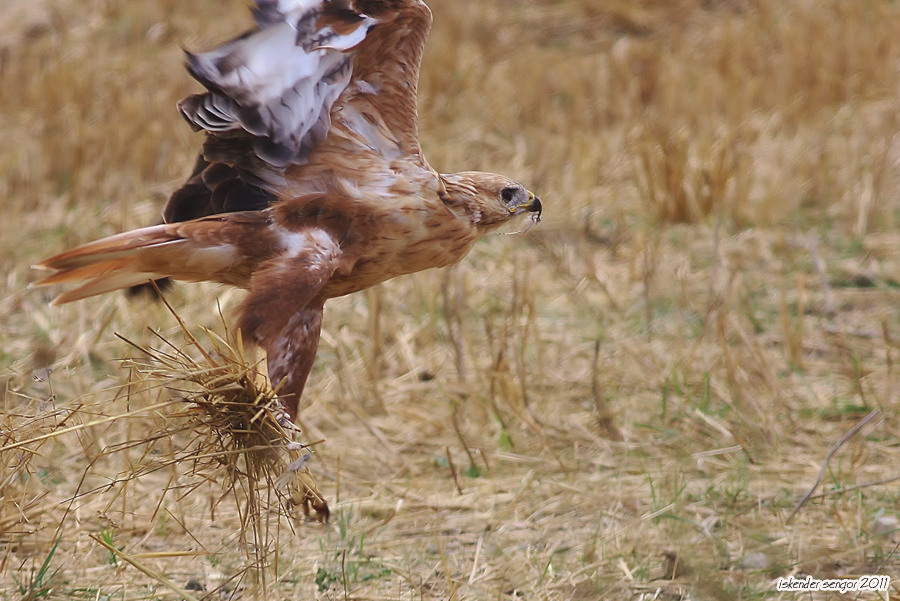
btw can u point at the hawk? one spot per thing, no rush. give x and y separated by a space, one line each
311 183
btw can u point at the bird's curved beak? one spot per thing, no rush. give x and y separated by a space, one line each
532 206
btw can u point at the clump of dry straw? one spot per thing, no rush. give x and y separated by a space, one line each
235 415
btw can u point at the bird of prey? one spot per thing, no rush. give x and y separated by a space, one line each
311 183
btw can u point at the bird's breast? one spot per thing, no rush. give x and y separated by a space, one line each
405 239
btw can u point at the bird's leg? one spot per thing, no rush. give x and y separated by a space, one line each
283 315
290 356
277 407
283 312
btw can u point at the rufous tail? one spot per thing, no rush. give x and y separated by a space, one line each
204 249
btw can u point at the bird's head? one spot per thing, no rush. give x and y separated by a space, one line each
488 199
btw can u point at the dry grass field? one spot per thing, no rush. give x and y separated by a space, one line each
629 401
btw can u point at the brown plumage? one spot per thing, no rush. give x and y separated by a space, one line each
311 183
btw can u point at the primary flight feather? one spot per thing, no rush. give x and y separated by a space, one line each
310 184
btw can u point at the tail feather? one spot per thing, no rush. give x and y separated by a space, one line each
102 268
101 284
110 248
199 250
108 264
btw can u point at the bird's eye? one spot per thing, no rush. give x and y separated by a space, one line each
508 193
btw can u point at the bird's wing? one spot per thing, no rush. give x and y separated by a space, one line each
278 83
271 95
379 106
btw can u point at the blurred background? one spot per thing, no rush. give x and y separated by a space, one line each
629 400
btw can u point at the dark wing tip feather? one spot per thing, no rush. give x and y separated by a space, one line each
266 13
150 291
198 69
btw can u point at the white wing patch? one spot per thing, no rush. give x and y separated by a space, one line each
314 244
278 83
